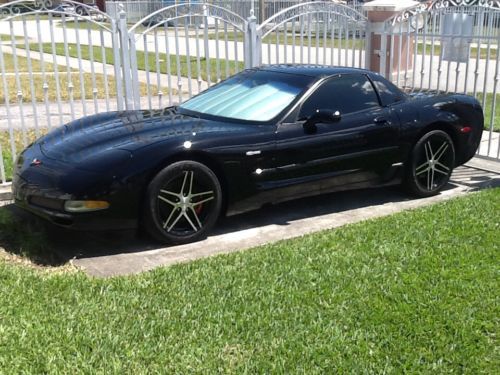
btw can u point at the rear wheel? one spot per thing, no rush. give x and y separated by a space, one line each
431 164
183 203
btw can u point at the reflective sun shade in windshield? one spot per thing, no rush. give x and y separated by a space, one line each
251 95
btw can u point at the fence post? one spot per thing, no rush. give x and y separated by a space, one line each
115 35
127 54
253 42
134 71
383 45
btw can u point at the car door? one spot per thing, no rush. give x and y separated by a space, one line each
358 145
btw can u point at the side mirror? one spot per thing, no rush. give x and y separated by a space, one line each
325 116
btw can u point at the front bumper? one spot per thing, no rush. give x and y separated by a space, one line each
42 204
43 190
81 222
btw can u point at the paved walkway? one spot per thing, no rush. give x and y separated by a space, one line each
121 253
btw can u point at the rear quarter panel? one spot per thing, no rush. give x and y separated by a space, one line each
451 113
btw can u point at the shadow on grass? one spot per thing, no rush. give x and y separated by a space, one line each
27 239
45 244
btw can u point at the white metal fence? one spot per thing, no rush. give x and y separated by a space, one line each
449 46
137 10
323 33
58 64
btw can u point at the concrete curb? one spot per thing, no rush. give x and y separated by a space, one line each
132 263
290 220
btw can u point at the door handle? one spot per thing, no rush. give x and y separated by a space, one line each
380 120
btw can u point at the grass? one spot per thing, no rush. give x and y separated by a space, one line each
18 137
435 50
86 25
37 80
32 17
149 60
359 44
38 94
290 39
70 23
314 41
416 292
490 118
7 38
23 65
350 43
27 249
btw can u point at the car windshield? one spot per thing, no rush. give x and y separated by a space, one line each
253 95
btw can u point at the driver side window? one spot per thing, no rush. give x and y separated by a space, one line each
346 94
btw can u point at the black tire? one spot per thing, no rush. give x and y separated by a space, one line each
430 164
183 203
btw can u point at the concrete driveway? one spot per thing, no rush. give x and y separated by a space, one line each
122 253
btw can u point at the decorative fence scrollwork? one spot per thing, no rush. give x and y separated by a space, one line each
439 4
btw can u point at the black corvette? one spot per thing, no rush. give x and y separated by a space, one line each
265 135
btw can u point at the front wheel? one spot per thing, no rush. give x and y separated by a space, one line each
430 165
183 202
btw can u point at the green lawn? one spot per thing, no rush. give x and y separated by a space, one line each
70 23
416 292
350 43
81 24
488 111
23 65
149 60
5 37
37 80
18 138
435 50
338 42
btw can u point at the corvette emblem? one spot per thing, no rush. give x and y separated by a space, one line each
36 162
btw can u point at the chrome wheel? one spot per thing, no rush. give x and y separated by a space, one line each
183 202
432 171
432 162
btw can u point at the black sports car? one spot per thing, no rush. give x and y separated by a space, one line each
264 135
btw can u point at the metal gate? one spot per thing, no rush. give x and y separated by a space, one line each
57 63
449 46
325 33
62 60
181 50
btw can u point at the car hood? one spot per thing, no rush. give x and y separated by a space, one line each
127 131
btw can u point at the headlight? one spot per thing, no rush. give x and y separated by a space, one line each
85 206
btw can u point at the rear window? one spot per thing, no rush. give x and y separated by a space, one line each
389 93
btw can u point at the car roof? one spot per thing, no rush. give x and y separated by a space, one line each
311 70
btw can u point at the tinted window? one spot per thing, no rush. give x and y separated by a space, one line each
389 93
347 94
